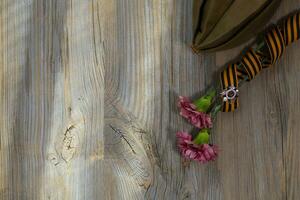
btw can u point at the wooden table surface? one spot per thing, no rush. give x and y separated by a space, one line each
88 107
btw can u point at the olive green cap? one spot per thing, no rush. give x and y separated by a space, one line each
224 24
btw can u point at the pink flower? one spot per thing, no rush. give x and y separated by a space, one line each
201 153
188 110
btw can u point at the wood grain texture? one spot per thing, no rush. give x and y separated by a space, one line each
88 107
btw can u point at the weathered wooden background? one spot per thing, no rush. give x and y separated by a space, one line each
88 92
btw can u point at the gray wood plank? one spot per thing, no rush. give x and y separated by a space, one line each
88 106
289 72
52 100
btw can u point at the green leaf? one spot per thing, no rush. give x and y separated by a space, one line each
204 103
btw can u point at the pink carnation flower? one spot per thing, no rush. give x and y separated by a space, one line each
188 110
202 153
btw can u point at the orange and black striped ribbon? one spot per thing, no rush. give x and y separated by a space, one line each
249 67
252 62
229 77
275 42
291 29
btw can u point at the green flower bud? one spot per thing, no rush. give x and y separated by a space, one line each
204 103
202 137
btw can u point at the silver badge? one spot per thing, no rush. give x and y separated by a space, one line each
230 93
